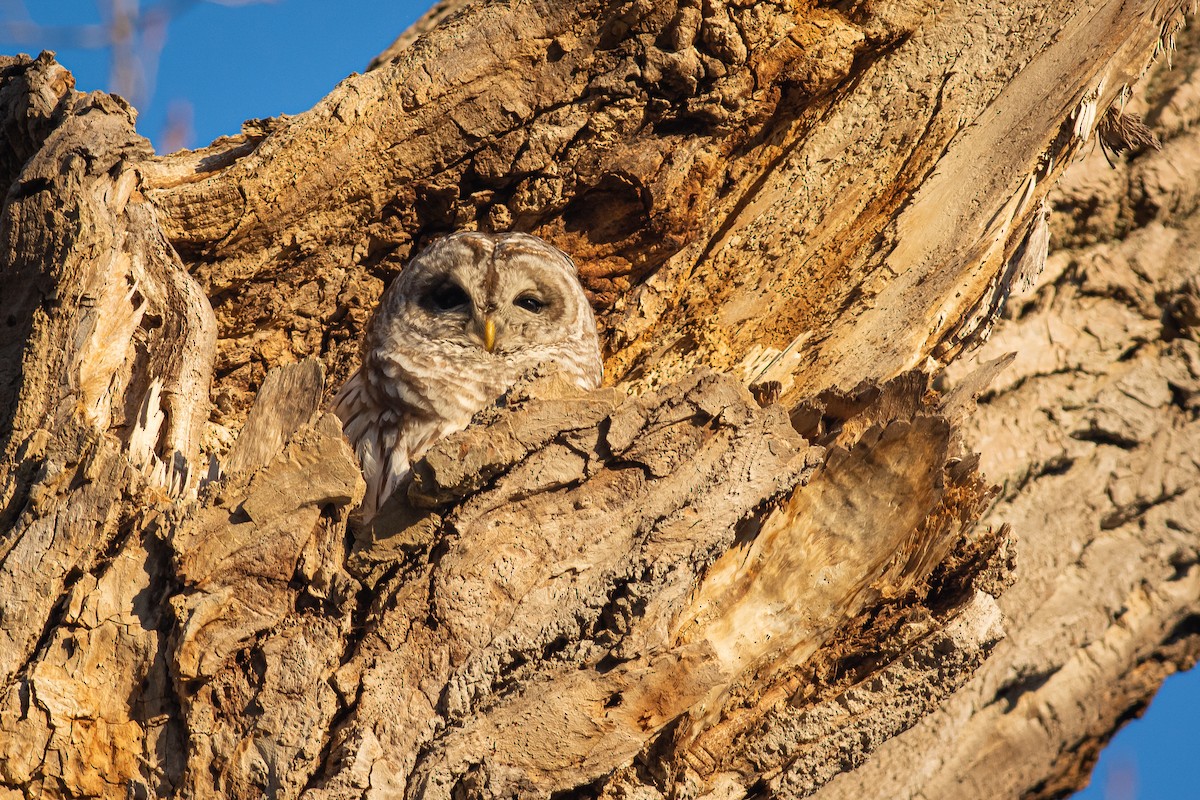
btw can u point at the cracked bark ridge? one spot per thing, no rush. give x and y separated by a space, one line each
263 607
675 586
106 370
1093 434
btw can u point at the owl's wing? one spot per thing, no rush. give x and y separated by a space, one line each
374 432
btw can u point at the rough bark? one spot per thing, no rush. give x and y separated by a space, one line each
761 562
1093 434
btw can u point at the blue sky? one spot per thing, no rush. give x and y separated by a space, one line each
227 61
1155 757
224 62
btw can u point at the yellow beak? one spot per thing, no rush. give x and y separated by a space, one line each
489 334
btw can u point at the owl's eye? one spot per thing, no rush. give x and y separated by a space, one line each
529 303
447 296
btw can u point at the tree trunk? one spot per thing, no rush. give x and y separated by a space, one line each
763 561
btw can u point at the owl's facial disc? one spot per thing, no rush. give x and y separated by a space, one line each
502 295
503 316
455 309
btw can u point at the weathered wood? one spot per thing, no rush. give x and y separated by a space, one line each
1093 433
259 561
565 625
692 178
666 587
103 424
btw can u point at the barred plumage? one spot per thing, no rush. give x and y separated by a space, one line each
466 318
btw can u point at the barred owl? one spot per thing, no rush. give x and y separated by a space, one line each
465 319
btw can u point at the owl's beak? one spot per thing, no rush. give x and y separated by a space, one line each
489 334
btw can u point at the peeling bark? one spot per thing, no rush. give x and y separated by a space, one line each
764 561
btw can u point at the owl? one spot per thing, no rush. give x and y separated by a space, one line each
465 319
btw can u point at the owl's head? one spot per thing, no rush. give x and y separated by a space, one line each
502 295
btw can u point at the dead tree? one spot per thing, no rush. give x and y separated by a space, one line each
764 561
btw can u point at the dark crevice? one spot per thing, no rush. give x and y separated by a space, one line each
1010 693
589 791
54 621
1181 562
1186 629
1058 465
153 608
322 766
29 188
1123 514
1105 437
